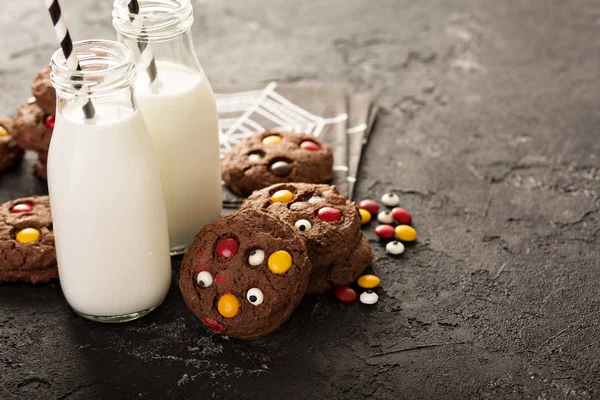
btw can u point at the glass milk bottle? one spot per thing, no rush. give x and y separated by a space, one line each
179 107
108 210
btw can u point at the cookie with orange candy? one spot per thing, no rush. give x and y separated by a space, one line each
10 153
244 274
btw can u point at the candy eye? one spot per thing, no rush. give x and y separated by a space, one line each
385 217
255 296
394 248
390 199
369 297
204 279
303 225
256 257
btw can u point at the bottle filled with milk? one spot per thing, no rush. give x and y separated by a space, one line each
179 108
108 209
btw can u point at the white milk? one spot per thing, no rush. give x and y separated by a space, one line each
108 209
181 115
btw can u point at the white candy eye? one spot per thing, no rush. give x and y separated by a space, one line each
257 256
254 157
255 296
369 297
303 225
390 199
394 247
315 199
385 217
204 279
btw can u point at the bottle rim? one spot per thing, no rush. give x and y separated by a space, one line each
157 20
106 66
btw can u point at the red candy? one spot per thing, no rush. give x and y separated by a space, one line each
329 214
402 216
370 205
220 278
310 146
23 207
228 247
385 231
49 121
213 325
345 294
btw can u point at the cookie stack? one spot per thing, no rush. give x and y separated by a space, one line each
34 122
246 272
10 153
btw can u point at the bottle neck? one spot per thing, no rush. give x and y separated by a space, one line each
105 80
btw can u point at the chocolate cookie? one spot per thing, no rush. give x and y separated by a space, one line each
33 128
330 224
10 153
244 274
44 92
275 157
27 250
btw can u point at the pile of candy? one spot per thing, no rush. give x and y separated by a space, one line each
403 232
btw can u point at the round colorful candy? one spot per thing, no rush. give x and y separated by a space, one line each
228 305
280 261
385 217
370 205
254 157
345 294
406 233
394 248
402 216
273 139
365 216
256 258
21 208
310 146
315 199
282 196
369 297
281 168
49 121
390 199
228 247
368 281
28 235
329 214
3 131
385 231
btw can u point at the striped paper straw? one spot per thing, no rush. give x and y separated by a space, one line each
66 44
146 56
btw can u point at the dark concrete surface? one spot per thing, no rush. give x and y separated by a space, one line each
489 131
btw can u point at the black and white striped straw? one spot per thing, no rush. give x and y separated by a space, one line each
66 44
146 56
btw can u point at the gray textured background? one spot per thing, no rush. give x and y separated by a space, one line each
489 132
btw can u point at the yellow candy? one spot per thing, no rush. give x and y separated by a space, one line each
228 305
406 233
282 196
3 131
365 216
280 261
368 281
28 235
273 139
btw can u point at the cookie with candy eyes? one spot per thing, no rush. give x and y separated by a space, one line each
328 222
275 157
244 274
10 153
27 250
